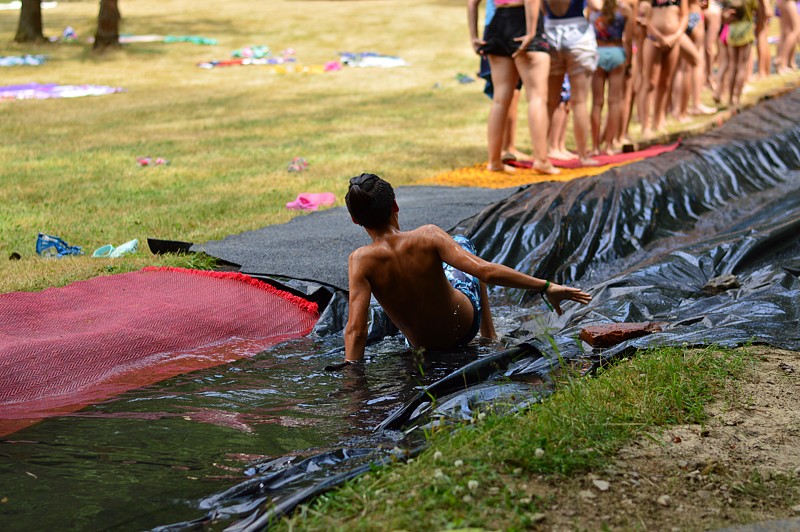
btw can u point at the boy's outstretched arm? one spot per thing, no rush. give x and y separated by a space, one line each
498 274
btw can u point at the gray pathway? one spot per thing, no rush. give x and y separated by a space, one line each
315 247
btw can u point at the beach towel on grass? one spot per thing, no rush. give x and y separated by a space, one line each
37 91
370 59
606 160
22 60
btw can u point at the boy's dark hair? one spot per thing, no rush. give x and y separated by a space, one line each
370 200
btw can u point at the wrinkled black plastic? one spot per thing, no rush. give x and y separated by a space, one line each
643 239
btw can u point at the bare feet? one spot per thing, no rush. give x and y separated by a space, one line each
516 155
609 150
588 161
505 169
701 109
545 167
561 155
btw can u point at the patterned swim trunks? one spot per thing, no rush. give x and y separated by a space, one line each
467 285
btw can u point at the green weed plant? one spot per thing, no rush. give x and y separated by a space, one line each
475 476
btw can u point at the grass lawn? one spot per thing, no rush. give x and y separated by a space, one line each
69 169
672 439
69 166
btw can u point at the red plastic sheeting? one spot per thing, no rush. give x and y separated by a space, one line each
65 348
604 160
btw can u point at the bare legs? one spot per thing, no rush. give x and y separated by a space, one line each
614 118
713 22
698 72
739 60
762 25
558 133
510 150
668 66
580 83
790 30
504 80
598 100
532 68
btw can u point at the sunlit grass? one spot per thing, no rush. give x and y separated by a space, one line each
477 476
67 167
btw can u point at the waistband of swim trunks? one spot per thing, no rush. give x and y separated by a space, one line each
552 22
509 6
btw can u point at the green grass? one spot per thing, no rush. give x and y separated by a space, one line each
476 476
67 167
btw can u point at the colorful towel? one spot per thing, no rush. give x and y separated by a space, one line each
22 60
194 39
608 160
478 176
370 59
64 348
36 91
311 202
256 52
245 61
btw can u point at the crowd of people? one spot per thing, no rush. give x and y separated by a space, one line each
648 58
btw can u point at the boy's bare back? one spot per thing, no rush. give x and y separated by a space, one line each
404 271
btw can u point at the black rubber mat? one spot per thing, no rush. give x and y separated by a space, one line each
315 247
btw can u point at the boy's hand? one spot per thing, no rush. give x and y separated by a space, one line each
557 293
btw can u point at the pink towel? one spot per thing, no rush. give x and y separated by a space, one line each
309 201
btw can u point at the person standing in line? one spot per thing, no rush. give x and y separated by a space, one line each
741 34
613 26
574 52
668 21
515 46
693 59
790 35
763 17
509 148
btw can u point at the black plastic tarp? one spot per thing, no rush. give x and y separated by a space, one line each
644 239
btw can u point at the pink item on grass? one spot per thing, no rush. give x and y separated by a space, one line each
309 201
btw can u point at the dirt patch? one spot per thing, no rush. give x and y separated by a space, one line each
742 466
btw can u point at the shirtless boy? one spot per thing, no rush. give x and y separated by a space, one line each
430 286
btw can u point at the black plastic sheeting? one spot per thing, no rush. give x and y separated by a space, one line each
644 239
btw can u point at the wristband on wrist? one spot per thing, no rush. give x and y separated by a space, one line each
544 298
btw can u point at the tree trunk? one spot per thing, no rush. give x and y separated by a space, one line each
107 25
30 22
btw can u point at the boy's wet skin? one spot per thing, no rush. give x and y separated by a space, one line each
403 269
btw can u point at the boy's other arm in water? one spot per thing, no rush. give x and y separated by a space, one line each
355 332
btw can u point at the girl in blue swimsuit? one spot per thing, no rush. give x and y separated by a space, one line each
613 26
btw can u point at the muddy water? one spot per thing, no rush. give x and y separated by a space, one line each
146 458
